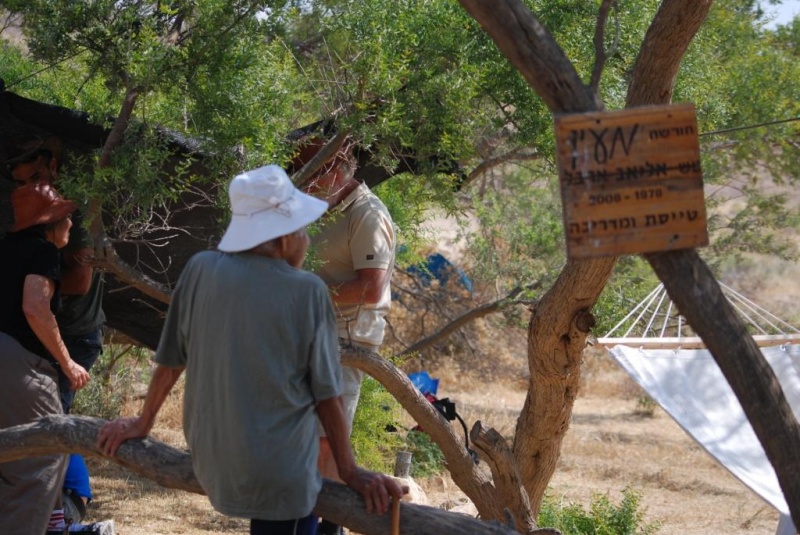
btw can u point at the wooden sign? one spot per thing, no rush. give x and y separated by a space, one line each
631 181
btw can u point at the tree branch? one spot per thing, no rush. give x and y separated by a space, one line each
172 468
470 315
554 345
466 475
495 451
314 164
110 261
532 49
106 257
599 44
696 293
665 43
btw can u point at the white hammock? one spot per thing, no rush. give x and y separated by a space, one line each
681 375
655 323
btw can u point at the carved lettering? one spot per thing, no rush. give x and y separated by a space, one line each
584 227
606 144
600 150
661 133
683 130
619 137
656 169
689 167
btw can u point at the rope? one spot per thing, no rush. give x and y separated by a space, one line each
754 315
46 68
748 127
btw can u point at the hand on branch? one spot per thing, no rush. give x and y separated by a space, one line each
115 432
375 488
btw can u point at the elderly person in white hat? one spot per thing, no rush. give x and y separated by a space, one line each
257 338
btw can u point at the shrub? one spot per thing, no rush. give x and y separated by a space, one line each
427 459
117 369
604 517
373 444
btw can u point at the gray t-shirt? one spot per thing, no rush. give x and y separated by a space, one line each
258 339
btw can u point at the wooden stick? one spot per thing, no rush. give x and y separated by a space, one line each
395 517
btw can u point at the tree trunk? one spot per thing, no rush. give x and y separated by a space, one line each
561 320
172 468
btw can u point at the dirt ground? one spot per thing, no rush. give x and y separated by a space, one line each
610 445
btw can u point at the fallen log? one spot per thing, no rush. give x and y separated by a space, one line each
172 468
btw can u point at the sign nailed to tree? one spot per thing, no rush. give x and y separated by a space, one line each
631 181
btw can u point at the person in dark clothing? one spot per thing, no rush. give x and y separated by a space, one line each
31 350
81 317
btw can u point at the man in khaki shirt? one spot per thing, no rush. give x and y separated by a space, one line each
356 244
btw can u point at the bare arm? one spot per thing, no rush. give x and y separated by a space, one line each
114 433
375 488
36 295
76 277
366 289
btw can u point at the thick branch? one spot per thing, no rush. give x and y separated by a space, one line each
167 466
172 468
674 27
110 261
462 468
470 315
554 345
532 50
497 454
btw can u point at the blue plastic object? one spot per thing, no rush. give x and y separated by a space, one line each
438 267
424 382
77 477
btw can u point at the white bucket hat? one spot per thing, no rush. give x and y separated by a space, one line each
265 205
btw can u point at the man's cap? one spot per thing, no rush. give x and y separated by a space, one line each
27 149
266 205
38 204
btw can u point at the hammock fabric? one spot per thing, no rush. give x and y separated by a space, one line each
690 387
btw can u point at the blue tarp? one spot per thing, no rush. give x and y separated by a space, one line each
438 267
424 382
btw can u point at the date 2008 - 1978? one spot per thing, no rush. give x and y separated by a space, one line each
613 198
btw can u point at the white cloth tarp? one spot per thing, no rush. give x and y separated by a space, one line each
690 387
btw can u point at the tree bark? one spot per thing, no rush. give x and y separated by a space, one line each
555 345
505 474
172 468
